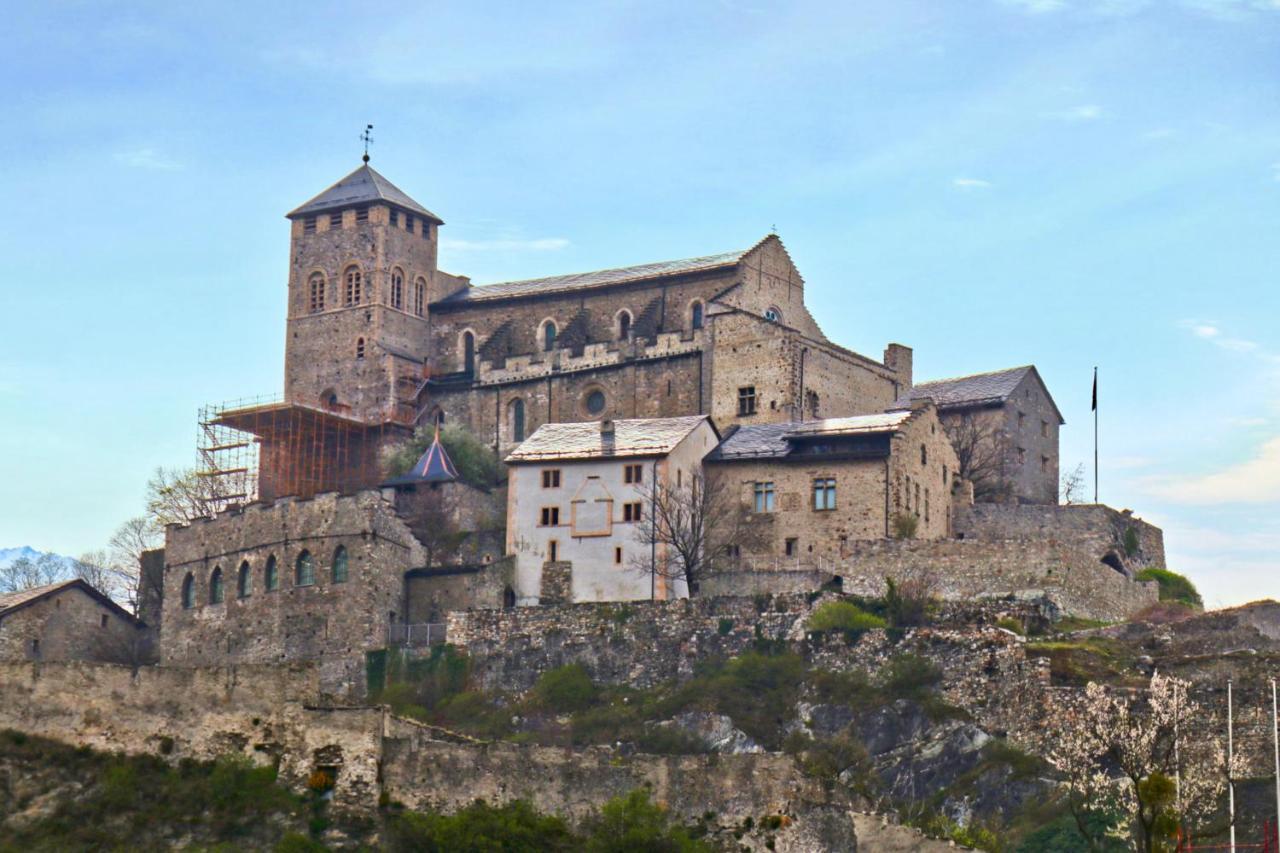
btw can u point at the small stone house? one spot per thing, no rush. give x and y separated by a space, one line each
66 621
577 497
1015 405
819 485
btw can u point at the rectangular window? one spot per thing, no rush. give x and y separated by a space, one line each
426 230
335 220
633 473
1022 418
409 222
1022 456
1044 463
631 511
550 516
309 225
362 213
103 622
824 493
553 551
792 545
395 217
1044 429
763 493
917 500
617 556
926 505
551 478
747 400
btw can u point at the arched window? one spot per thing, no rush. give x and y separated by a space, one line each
624 325
469 353
359 347
397 289
188 592
355 282
317 292
340 565
773 315
517 420
508 598
419 296
695 316
244 581
215 586
548 336
304 570
271 575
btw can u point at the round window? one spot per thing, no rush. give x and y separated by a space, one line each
595 402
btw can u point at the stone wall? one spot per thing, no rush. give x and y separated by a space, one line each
432 593
266 713
1095 528
70 624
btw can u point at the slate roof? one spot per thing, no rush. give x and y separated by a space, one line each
12 601
770 441
363 186
434 466
640 437
978 389
599 278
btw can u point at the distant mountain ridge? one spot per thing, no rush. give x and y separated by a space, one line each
9 556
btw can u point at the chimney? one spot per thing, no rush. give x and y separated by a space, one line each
606 427
898 359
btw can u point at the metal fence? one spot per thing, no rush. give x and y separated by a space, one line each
416 636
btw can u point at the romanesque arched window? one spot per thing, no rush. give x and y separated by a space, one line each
624 325
548 336
340 565
469 353
188 592
244 581
397 288
772 314
516 409
359 347
355 282
419 296
316 286
304 570
215 586
271 575
695 315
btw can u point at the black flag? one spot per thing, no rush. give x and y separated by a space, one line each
1094 407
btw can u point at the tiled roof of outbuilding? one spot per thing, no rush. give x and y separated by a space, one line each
599 278
363 186
639 437
769 441
993 387
11 601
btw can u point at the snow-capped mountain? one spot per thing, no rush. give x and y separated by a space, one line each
11 555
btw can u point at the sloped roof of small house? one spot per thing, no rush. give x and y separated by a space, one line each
773 441
10 602
638 437
598 278
363 186
979 389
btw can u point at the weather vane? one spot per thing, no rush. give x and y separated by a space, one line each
367 136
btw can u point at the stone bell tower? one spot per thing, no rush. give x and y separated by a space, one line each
362 271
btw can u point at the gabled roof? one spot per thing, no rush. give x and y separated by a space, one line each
363 186
773 441
599 278
639 437
434 466
980 389
13 601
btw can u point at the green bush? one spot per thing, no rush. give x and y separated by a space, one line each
910 676
1011 624
758 691
635 824
566 689
905 525
1173 587
843 616
476 462
296 842
479 828
909 603
1130 541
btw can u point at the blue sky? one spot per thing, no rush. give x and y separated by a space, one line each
993 182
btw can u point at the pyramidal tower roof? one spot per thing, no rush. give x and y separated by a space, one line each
363 186
434 466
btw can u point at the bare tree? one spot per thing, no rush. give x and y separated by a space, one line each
178 496
1071 487
433 525
985 454
694 530
26 573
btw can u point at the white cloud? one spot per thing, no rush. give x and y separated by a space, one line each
1255 480
147 158
1083 112
970 183
543 244
1213 334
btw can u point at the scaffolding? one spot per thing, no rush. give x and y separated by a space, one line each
263 448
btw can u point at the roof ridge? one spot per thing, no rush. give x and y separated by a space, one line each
975 375
738 253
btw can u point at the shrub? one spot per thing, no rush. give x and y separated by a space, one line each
910 602
479 828
905 525
725 626
1173 587
1164 613
757 691
1130 542
843 616
910 676
633 823
296 842
566 689
476 462
1011 624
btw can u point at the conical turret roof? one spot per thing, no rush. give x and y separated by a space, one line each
363 186
434 466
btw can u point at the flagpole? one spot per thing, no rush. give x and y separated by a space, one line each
1095 434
